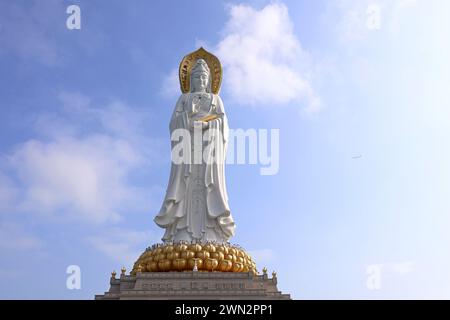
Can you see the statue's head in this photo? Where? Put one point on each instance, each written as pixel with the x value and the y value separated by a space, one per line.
pixel 200 77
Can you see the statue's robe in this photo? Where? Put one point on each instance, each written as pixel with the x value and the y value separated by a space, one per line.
pixel 195 188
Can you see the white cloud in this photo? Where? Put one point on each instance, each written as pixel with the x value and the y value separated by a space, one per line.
pixel 263 58
pixel 82 172
pixel 72 173
pixel 121 245
pixel 263 61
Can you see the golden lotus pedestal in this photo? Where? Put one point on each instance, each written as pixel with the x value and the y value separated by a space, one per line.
pixel 184 257
pixel 193 271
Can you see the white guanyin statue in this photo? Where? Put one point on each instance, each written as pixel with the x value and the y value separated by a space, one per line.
pixel 195 208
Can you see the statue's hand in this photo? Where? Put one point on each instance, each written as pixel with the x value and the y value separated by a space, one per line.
pixel 202 124
pixel 194 124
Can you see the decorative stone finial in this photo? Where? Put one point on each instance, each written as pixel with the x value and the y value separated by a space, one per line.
pixel 264 270
pixel 113 274
pixel 195 265
pixel 122 271
pixel 274 274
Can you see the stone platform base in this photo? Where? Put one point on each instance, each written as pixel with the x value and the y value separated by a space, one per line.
pixel 193 285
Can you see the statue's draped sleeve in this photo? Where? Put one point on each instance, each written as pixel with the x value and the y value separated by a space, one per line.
pixel 177 182
pixel 217 197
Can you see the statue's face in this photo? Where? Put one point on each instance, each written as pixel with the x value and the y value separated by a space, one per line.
pixel 200 81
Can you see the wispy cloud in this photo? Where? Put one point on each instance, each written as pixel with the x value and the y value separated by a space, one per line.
pixel 121 245
pixel 263 60
pixel 263 57
pixel 81 166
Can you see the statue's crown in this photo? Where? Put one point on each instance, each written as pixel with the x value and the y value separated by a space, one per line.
pixel 200 61
pixel 200 66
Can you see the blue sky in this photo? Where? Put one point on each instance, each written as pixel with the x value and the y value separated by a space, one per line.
pixel 358 90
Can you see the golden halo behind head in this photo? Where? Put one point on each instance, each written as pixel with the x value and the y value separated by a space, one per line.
pixel 189 61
